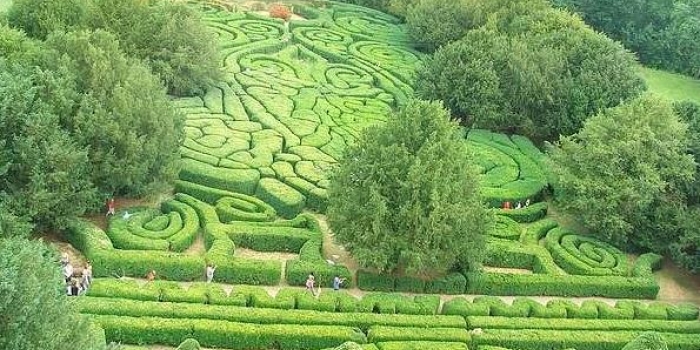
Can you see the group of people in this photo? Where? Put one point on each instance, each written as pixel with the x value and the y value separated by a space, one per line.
pixel 76 284
pixel 311 284
pixel 519 205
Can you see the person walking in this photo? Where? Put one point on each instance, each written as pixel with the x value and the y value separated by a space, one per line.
pixel 337 281
pixel 87 276
pixel 310 282
pixel 111 207
pixel 210 272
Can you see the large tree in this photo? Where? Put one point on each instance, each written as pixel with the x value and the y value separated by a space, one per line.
pixel 540 74
pixel 624 173
pixel 34 310
pixel 406 195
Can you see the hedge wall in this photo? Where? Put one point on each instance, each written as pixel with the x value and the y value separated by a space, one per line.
pixel 230 335
pixel 134 308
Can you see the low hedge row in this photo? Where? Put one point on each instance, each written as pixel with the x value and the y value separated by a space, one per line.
pixel 134 308
pixel 379 334
pixel 537 339
pixel 453 283
pixel 230 205
pixel 531 213
pixel 224 334
pixel 287 298
pixel 268 238
pixel 119 232
pixel 422 345
pixel 560 308
pixel 236 180
pixel 561 285
pixel 491 322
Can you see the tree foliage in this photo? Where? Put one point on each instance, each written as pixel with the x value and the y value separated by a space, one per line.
pixel 38 18
pixel 623 174
pixel 35 312
pixel 78 118
pixel 664 34
pixel 390 214
pixel 123 117
pixel 540 73
pixel 434 23
pixel 169 36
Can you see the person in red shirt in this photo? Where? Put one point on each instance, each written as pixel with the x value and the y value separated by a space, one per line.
pixel 506 205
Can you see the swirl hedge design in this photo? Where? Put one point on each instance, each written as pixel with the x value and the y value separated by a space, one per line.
pixel 582 255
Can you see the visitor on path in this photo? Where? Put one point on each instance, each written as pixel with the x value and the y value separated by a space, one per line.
pixel 87 276
pixel 67 271
pixel 527 203
pixel 74 288
pixel 210 272
pixel 506 205
pixel 518 206
pixel 337 281
pixel 111 207
pixel 151 275
pixel 310 282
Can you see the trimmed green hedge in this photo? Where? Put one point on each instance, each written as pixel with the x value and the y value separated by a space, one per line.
pixel 561 285
pixel 536 339
pixel 230 335
pixel 133 308
pixel 421 345
pixel 561 308
pixel 583 255
pixel 237 180
pixel 287 201
pixel 491 322
pixel 379 334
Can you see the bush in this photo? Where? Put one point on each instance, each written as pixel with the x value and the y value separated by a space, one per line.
pixel 453 283
pixel 569 285
pixel 532 213
pixel 433 23
pixel 367 280
pixel 379 334
pixel 579 255
pixel 421 345
pixel 520 323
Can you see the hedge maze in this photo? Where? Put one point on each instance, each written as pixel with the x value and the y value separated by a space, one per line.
pixel 257 150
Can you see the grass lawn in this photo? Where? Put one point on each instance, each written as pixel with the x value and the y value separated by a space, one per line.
pixel 673 86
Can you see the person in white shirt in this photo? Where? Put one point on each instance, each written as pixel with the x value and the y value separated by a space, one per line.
pixel 210 272
pixel 67 271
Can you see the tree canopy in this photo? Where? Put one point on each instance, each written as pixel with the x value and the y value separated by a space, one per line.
pixel 78 118
pixel 35 311
pixel 390 215
pixel 664 34
pixel 623 174
pixel 169 37
pixel 540 74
